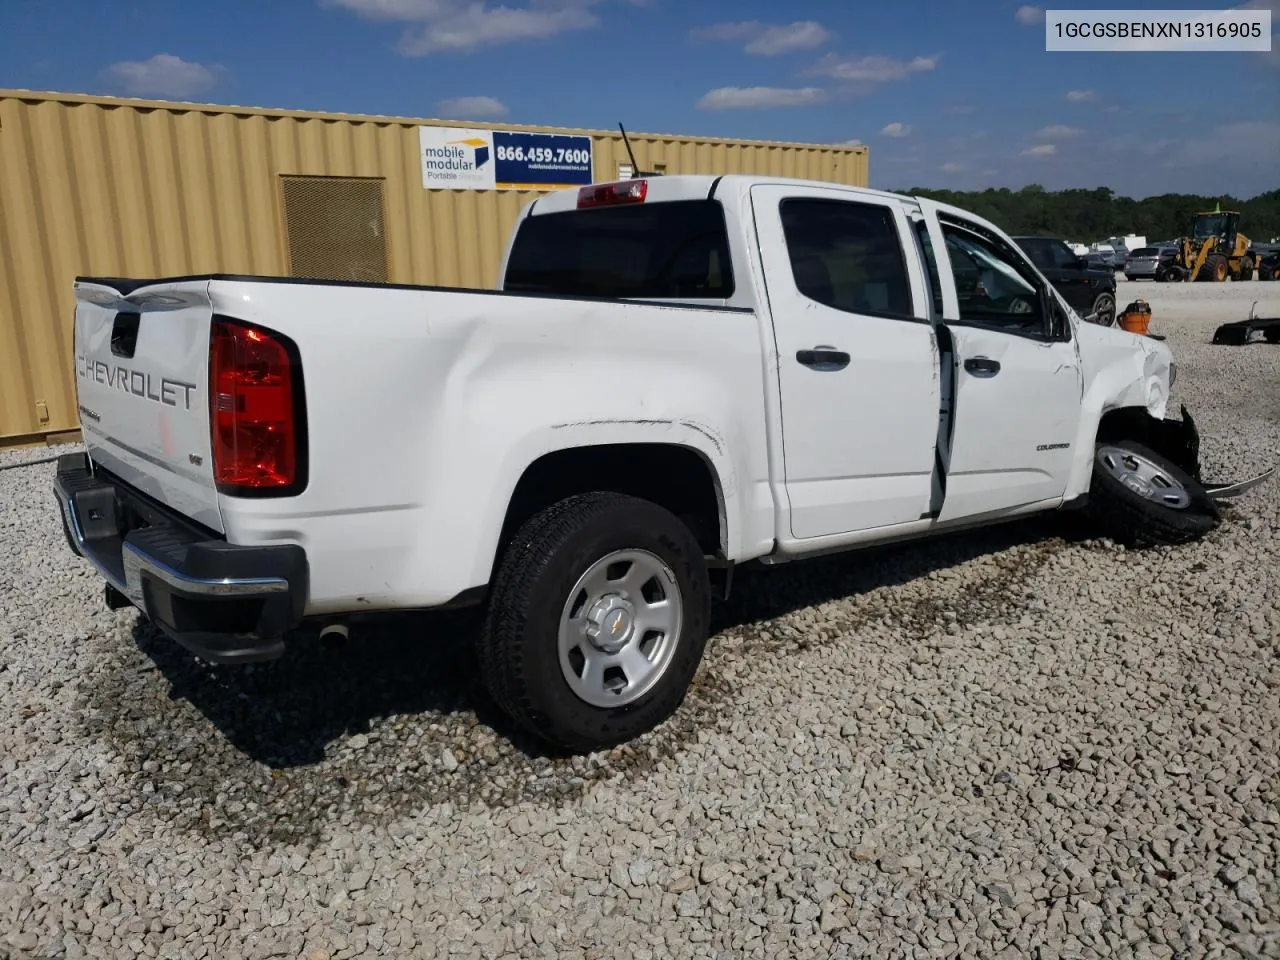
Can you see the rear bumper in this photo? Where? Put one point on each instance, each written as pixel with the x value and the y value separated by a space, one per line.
pixel 224 603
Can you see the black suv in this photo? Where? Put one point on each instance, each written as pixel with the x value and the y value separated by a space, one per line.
pixel 1090 289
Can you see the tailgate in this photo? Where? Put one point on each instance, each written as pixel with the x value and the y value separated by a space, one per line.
pixel 142 382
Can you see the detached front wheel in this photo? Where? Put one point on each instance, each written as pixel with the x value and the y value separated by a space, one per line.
pixel 597 622
pixel 1139 498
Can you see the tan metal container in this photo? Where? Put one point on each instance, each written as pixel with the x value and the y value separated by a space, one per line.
pixel 121 187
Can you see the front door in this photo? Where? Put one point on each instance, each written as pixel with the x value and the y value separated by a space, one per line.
pixel 1016 374
pixel 857 358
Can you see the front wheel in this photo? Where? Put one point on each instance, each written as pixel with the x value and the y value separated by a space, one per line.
pixel 1139 498
pixel 597 622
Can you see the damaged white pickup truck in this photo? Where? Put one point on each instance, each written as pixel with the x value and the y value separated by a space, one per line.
pixel 677 376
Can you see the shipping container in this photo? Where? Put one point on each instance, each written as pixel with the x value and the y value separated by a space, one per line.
pixel 123 187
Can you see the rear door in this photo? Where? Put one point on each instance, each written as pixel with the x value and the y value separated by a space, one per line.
pixel 142 383
pixel 857 358
pixel 1017 376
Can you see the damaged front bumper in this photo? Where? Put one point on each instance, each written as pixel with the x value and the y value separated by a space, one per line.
pixel 1179 440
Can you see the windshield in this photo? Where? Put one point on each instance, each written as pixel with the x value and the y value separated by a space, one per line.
pixel 1211 225
pixel 676 249
pixel 1046 253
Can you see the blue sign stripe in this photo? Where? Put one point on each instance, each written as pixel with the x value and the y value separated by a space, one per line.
pixel 541 159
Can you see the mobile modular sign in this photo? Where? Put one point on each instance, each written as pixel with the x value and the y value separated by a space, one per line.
pixel 467 158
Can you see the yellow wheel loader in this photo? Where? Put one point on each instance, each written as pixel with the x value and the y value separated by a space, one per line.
pixel 1215 250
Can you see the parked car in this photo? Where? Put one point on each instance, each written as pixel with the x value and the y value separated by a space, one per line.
pixel 678 376
pixel 1089 287
pixel 1269 266
pixel 1145 263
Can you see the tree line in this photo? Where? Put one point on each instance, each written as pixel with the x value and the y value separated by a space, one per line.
pixel 1085 216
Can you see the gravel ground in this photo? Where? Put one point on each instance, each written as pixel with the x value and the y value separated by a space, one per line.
pixel 1018 743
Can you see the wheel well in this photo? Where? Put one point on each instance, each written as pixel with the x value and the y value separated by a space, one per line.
pixel 671 476
pixel 1171 438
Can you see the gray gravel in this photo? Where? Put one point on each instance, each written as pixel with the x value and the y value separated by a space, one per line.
pixel 1019 743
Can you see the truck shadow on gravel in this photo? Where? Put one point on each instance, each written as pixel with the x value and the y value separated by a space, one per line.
pixel 396 719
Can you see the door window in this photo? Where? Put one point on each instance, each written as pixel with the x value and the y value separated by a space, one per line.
pixel 848 256
pixel 994 287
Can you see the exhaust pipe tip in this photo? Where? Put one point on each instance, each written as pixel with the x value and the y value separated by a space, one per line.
pixel 336 630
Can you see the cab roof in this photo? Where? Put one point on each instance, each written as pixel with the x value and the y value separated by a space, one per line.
pixel 669 187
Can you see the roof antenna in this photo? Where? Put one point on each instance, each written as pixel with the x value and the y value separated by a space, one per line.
pixel 635 167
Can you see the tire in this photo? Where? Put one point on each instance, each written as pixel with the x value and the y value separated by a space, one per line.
pixel 1105 308
pixel 1134 519
pixel 1246 269
pixel 527 667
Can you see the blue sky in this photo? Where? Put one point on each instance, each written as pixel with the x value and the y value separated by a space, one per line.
pixel 945 93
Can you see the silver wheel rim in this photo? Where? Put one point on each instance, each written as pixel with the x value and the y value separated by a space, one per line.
pixel 1145 478
pixel 620 627
pixel 1106 311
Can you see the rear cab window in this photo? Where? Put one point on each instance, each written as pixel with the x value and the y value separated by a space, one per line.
pixel 676 249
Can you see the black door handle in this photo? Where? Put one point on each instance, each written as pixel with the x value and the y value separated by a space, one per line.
pixel 823 358
pixel 982 366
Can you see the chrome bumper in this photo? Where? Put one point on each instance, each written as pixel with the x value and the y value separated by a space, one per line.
pixel 136 564
pixel 226 603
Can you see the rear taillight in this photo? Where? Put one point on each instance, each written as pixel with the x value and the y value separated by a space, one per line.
pixel 256 409
pixel 607 194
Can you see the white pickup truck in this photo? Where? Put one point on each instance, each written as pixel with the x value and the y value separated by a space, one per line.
pixel 677 376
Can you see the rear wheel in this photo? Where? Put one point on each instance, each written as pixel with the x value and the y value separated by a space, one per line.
pixel 1104 310
pixel 1139 498
pixel 1246 268
pixel 597 622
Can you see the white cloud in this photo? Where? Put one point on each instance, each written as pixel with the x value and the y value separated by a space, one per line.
pixel 1029 15
pixel 874 68
pixel 164 75
pixel 1242 143
pixel 478 26
pixel 1057 131
pixel 1081 96
pixel 769 40
pixel 740 98
pixel 471 107
pixel 396 9
pixel 465 25
pixel 895 130
pixel 1040 150
pixel 849 143
pixel 951 167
